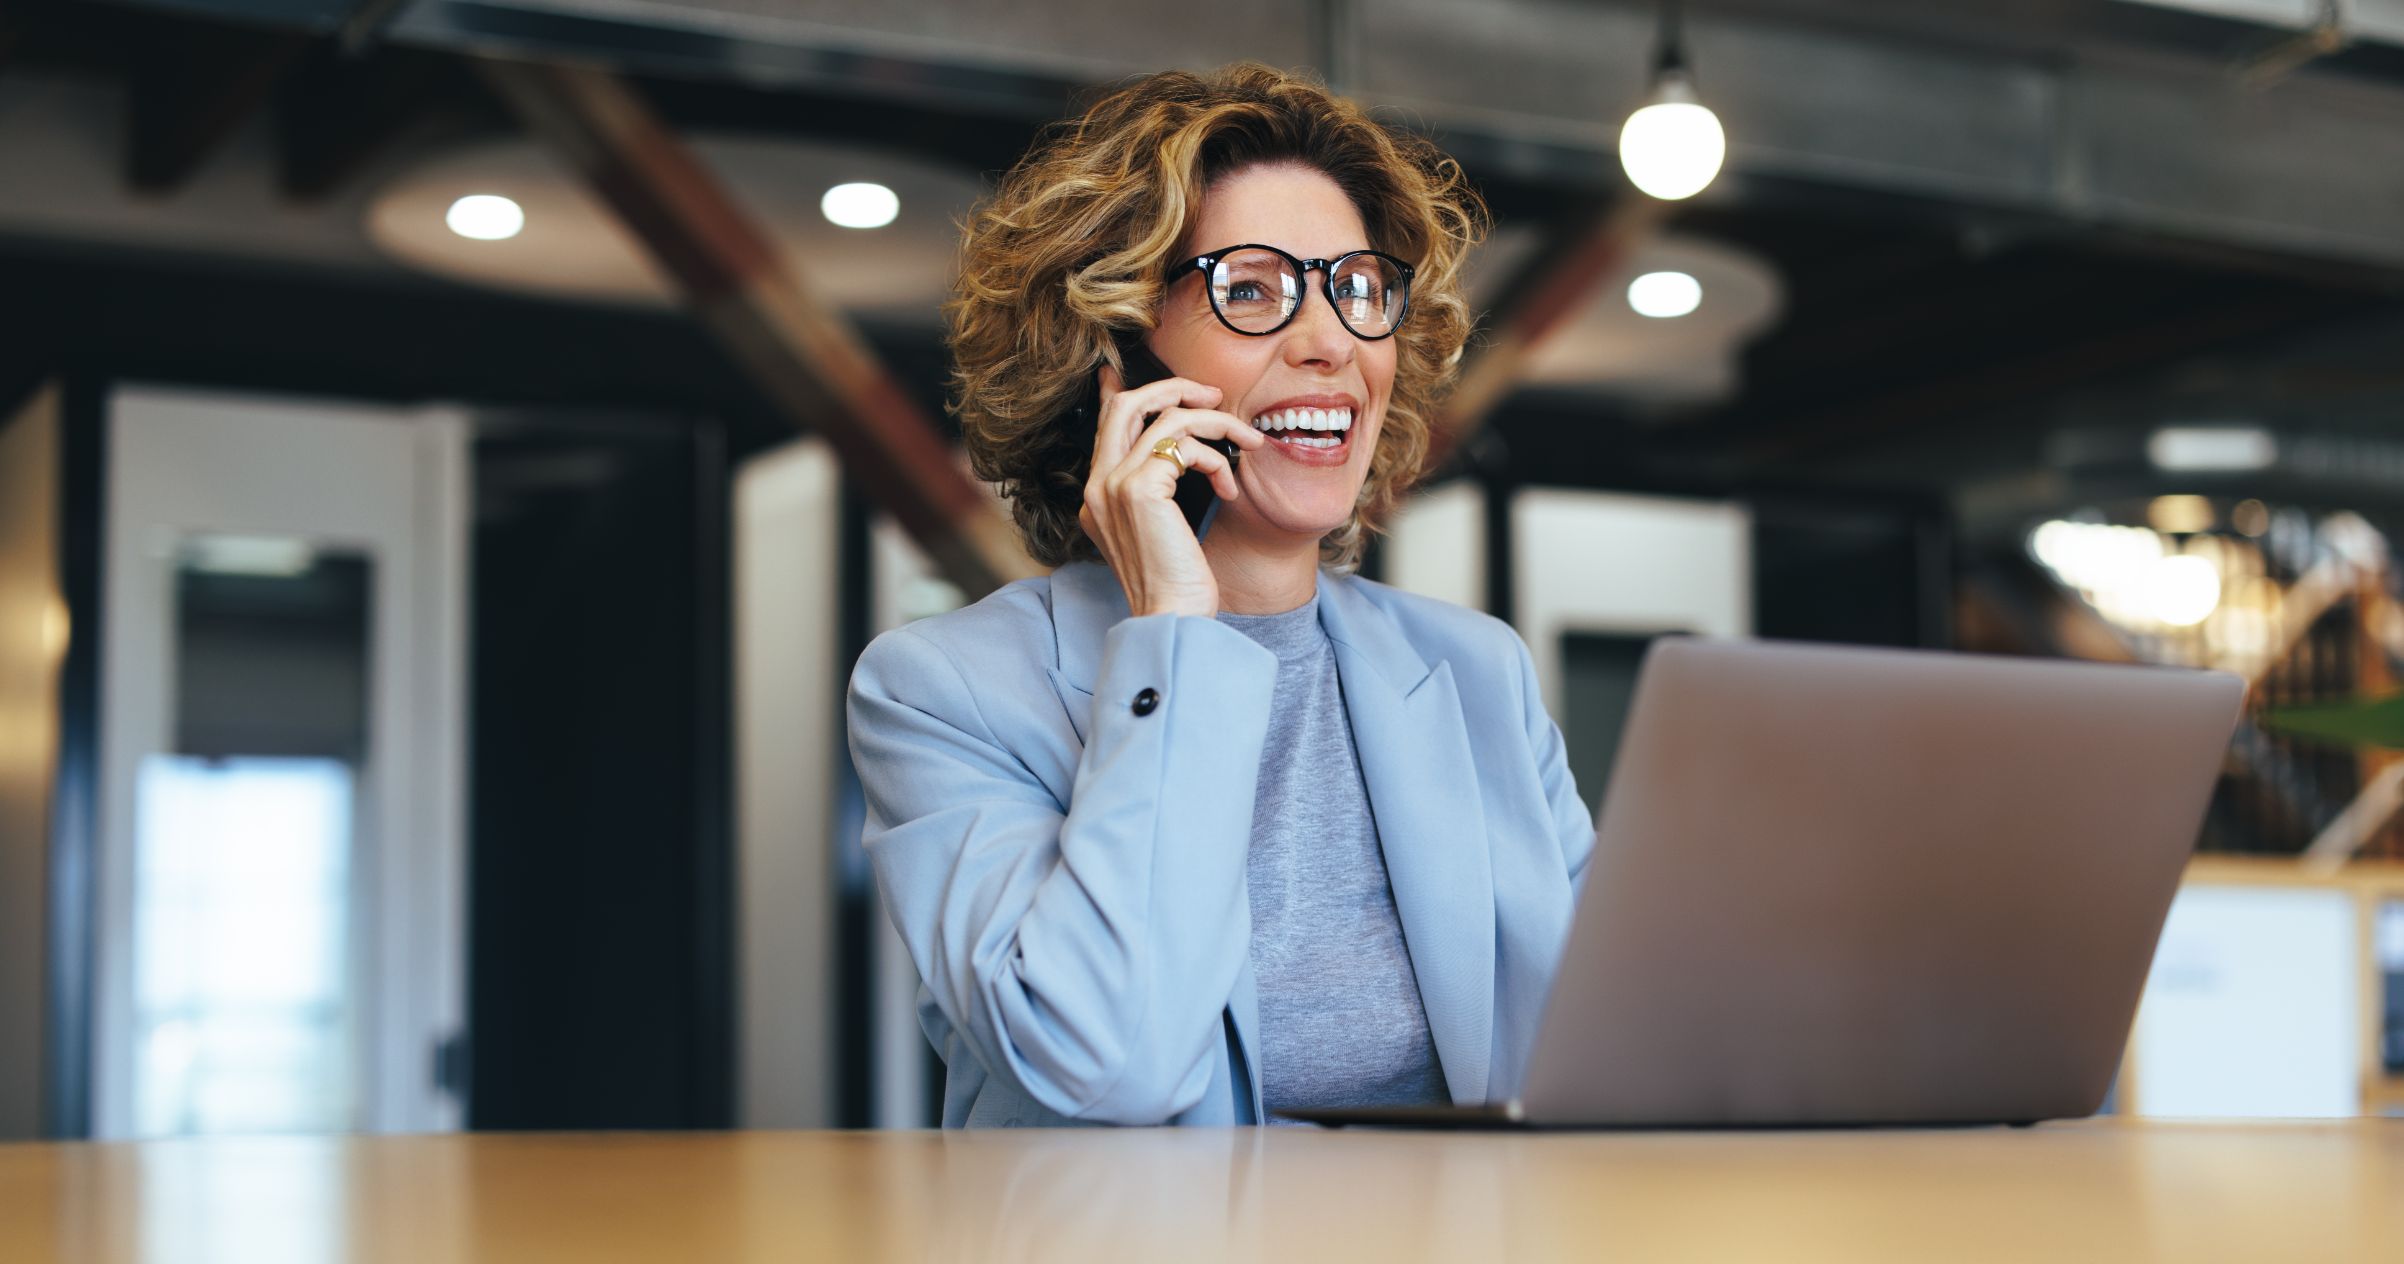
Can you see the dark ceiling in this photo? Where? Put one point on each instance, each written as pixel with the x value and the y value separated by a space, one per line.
pixel 1925 346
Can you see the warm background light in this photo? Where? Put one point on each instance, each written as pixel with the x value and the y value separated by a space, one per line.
pixel 2182 591
pixel 2180 515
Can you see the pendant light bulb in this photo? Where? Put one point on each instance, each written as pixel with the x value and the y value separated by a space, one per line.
pixel 1673 146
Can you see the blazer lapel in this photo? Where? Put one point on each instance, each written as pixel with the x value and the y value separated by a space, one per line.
pixel 1415 757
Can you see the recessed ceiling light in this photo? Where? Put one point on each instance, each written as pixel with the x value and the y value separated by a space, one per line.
pixel 1663 295
pixel 485 217
pixel 860 205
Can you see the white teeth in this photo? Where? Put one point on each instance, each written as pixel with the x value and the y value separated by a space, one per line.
pixel 1336 419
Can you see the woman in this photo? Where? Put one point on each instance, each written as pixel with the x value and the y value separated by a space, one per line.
pixel 1192 831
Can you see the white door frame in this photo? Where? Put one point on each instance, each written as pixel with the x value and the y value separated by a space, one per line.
pixel 389 481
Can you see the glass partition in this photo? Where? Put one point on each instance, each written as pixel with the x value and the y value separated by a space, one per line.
pixel 247 847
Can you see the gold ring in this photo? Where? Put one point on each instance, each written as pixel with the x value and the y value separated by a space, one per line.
pixel 1166 450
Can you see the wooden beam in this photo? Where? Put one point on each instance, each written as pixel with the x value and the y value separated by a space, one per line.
pixel 803 355
pixel 193 84
pixel 1586 249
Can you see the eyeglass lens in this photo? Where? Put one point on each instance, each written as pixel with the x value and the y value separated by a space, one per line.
pixel 1257 290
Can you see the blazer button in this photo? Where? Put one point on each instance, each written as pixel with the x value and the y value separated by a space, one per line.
pixel 1145 701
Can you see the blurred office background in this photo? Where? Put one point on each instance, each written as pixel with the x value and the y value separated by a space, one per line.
pixel 451 452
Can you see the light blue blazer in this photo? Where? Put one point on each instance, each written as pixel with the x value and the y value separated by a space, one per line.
pixel 1059 802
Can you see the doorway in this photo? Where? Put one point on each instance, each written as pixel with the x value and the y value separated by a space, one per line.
pixel 278 912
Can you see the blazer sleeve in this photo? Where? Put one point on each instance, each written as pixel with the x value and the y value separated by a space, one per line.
pixel 1086 954
pixel 1573 825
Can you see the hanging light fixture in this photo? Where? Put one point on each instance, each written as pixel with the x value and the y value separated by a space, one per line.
pixel 1672 147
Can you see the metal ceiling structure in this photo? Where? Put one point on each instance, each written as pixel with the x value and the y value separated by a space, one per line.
pixel 2118 114
pixel 1987 217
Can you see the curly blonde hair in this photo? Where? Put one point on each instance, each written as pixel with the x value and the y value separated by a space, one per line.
pixel 1071 250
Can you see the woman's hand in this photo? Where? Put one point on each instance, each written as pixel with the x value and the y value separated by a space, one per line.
pixel 1130 510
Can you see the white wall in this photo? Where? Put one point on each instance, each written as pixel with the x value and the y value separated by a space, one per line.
pixel 1589 561
pixel 1604 562
pixel 1436 545
pixel 788 740
pixel 787 715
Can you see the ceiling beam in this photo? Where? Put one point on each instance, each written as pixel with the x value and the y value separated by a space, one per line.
pixel 801 353
pixel 192 85
pixel 1582 251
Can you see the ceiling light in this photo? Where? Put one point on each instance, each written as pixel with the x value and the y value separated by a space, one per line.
pixel 2212 448
pixel 1663 295
pixel 1673 146
pixel 485 217
pixel 860 205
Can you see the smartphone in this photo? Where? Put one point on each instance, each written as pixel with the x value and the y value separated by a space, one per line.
pixel 1196 498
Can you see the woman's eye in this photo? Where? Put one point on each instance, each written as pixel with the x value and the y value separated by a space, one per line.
pixel 1245 292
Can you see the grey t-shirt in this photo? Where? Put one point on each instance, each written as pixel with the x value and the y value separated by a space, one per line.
pixel 1341 1022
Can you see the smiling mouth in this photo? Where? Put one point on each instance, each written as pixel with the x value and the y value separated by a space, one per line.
pixel 1307 429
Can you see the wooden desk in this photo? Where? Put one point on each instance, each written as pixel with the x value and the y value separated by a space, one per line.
pixel 2099 1190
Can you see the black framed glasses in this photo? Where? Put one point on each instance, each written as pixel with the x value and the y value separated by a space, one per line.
pixel 1257 289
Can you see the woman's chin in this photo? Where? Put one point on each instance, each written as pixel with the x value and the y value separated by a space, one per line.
pixel 1292 524
pixel 1277 506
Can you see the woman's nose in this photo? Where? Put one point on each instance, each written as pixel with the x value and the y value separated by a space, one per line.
pixel 1316 337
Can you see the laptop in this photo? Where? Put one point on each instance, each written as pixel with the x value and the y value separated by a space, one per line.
pixel 1842 886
